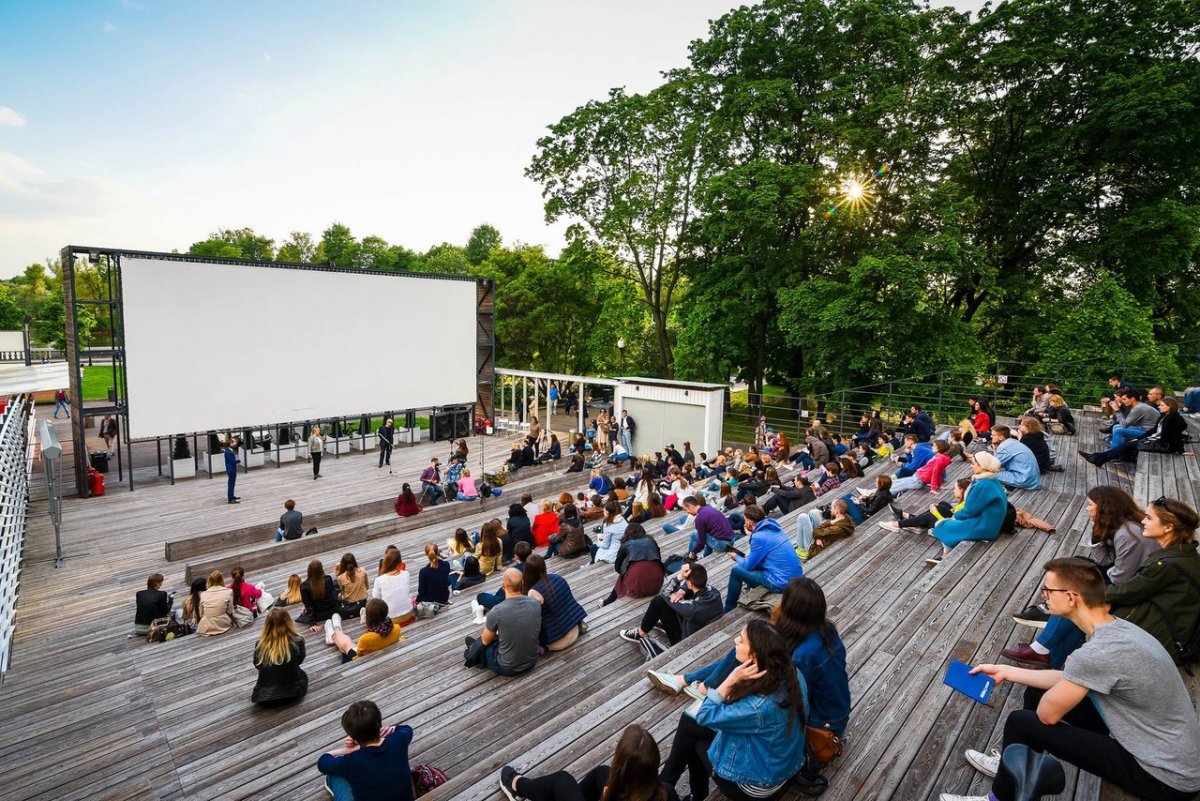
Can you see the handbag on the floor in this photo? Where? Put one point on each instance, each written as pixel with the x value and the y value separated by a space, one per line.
pixel 242 616
pixel 166 628
pixel 824 743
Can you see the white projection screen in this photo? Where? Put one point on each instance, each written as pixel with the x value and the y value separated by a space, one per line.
pixel 214 346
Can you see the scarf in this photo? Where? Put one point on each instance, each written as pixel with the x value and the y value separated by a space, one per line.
pixel 384 629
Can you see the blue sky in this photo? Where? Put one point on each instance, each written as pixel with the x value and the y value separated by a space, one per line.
pixel 148 124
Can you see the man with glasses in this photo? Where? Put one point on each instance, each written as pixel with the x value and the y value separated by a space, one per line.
pixel 1118 709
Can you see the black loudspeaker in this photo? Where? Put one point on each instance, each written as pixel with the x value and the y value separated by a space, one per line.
pixel 450 423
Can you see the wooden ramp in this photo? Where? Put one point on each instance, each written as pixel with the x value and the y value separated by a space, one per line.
pixel 90 713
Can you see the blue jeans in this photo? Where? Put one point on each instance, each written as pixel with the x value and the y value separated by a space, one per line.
pixel 907 483
pixel 1191 399
pixel 279 535
pixel 737 522
pixel 492 656
pixel 751 578
pixel 1062 637
pixel 61 405
pixel 1120 435
pixel 487 600
pixel 339 788
pixel 462 497
pixel 671 528
pixel 232 481
pixel 803 459
pixel 435 492
pixel 627 442
pixel 710 544
pixel 712 675
pixel 806 524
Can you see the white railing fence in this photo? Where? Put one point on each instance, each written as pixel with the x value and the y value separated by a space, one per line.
pixel 16 464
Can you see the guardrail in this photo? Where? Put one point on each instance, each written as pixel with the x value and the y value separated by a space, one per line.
pixel 16 463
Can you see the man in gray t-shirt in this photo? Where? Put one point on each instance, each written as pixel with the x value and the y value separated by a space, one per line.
pixel 1118 709
pixel 512 629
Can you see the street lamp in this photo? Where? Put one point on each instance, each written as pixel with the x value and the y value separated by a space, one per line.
pixel 621 350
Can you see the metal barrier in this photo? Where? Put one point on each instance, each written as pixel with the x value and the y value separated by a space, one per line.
pixel 16 463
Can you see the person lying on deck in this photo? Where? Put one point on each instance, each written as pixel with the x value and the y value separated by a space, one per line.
pixel 1118 710
pixel 633 775
pixel 372 763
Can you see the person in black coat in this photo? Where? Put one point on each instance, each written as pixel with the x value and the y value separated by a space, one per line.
pixel 1034 438
pixel 319 606
pixel 1167 437
pixel 277 657
pixel 528 457
pixel 518 529
pixel 553 452
pixel 152 603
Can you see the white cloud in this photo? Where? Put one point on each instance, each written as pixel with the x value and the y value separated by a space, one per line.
pixel 266 56
pixel 10 117
pixel 108 27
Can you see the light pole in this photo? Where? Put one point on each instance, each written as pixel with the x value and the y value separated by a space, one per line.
pixel 621 350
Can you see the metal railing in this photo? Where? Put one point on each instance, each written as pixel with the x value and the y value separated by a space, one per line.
pixel 944 395
pixel 16 463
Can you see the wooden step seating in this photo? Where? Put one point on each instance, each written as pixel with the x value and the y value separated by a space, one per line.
pixel 376 519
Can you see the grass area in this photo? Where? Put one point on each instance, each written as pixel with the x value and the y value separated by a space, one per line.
pixel 97 380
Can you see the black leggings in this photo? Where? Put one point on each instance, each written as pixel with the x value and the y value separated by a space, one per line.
pixel 1082 739
pixel 928 519
pixel 660 612
pixel 562 786
pixel 689 751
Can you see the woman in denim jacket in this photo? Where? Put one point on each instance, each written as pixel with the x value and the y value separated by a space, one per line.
pixel 749 732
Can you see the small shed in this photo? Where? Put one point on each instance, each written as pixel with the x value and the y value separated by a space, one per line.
pixel 672 412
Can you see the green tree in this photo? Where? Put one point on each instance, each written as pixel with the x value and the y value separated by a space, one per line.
pixel 50 326
pixel 337 247
pixel 298 247
pixel 482 240
pixel 625 169
pixel 240 243
pixel 374 253
pixel 12 316
pixel 1103 328
pixel 446 259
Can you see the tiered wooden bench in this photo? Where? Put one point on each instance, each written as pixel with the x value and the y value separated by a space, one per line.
pixel 90 713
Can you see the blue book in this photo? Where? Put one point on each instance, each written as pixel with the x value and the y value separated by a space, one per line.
pixel 977 687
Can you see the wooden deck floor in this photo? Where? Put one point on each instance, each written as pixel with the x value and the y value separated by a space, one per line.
pixel 90 713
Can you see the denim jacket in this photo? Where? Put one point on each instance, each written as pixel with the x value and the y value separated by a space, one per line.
pixel 754 742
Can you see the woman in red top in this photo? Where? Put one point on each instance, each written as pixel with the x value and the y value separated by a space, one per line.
pixel 981 421
pixel 244 593
pixel 545 524
pixel 406 504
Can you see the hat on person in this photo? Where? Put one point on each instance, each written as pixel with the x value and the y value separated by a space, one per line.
pixel 988 462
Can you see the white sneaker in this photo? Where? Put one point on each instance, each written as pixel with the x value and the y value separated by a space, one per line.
pixel 865 491
pixel 987 764
pixel 480 612
pixel 953 797
pixel 665 681
pixel 329 632
pixel 337 621
pixel 362 615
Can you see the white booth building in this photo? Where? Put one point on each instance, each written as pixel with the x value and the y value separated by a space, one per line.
pixel 672 412
pixel 664 411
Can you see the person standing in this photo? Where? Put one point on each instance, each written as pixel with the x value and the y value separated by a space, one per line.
pixel 316 446
pixel 626 429
pixel 60 402
pixel 387 438
pixel 112 432
pixel 231 463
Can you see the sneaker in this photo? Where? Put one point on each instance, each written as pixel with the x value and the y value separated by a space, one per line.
pixel 1035 616
pixel 583 627
pixel 630 635
pixel 897 511
pixel 864 491
pixel 693 690
pixel 362 615
pixel 802 554
pixel 953 797
pixel 933 561
pixel 329 632
pixel 987 764
pixel 337 621
pixel 458 592
pixel 665 681
pixel 508 783
pixel 479 611
pixel 890 526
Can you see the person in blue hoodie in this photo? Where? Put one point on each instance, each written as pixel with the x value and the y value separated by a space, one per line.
pixel 1018 466
pixel 772 561
pixel 922 424
pixel 918 453
pixel 748 734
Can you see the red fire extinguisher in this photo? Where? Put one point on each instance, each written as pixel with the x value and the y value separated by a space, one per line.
pixel 95 481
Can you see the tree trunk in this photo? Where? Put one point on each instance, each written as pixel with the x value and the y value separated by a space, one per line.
pixel 664 342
